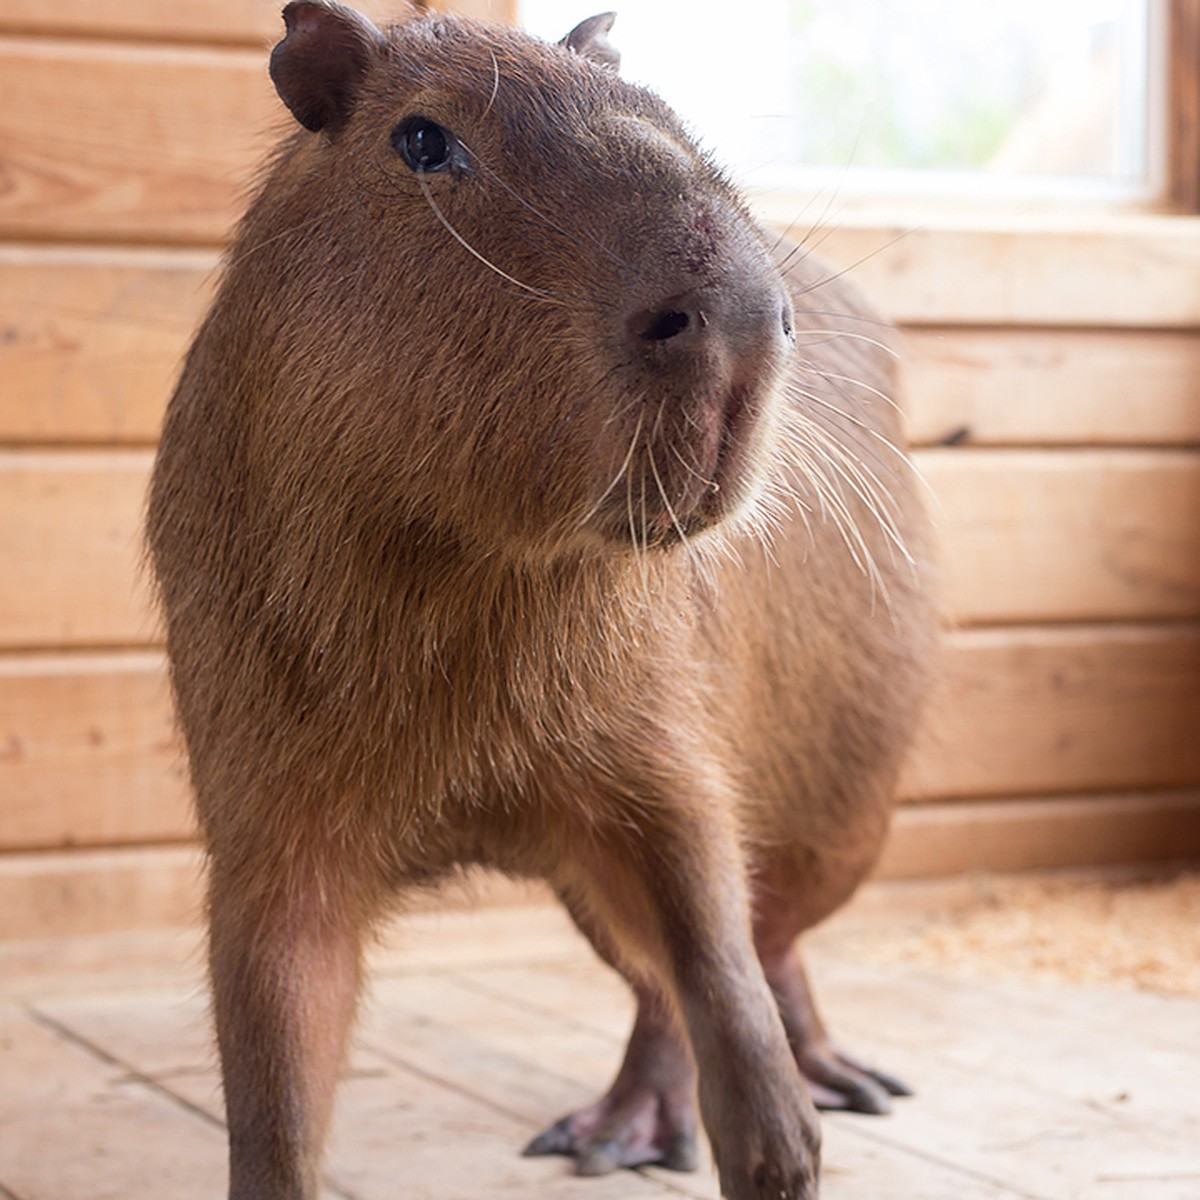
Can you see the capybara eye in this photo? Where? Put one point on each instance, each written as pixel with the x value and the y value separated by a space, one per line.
pixel 423 144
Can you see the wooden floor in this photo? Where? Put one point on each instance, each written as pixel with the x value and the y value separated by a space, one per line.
pixel 482 1028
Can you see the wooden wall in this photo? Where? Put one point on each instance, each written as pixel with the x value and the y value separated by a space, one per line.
pixel 1053 381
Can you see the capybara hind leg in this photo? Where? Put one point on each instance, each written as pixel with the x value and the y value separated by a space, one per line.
pixel 649 1113
pixel 285 978
pixel 836 1079
pixel 673 899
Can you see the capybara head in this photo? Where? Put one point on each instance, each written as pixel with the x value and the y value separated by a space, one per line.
pixel 499 294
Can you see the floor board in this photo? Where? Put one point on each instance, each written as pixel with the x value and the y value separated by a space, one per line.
pixel 480 1028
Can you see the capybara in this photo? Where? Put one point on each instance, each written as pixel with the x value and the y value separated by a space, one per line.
pixel 524 504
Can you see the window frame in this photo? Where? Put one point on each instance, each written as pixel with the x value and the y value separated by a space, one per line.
pixel 1182 117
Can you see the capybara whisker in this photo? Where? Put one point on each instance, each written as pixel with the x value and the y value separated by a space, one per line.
pixel 622 472
pixel 569 234
pixel 858 262
pixel 495 84
pixel 817 337
pixel 540 293
pixel 858 383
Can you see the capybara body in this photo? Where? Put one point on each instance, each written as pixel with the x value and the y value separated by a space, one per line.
pixel 523 504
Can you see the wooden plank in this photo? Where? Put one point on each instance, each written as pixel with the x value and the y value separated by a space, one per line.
pixel 1183 106
pixel 234 22
pixel 1038 1144
pixel 943 267
pixel 108 891
pixel 1037 834
pixel 110 141
pixel 391 1122
pixel 411 1108
pixel 91 339
pixel 88 753
pixel 441 1142
pixel 99 891
pixel 78 1128
pixel 72 555
pixel 143 959
pixel 1009 1113
pixel 1015 712
pixel 85 892
pixel 1047 387
pixel 1094 535
pixel 547 1058
pixel 1027 536
pixel 248 22
pixel 502 12
pixel 1036 711
pixel 165 1035
pixel 1134 1082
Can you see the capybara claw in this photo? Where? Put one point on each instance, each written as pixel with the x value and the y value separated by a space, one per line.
pixel 599 1158
pixel 555 1140
pixel 839 1083
pixel 682 1154
pixel 890 1083
pixel 601 1150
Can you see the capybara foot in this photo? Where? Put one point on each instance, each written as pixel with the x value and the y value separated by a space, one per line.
pixel 836 1080
pixel 784 1172
pixel 641 1127
pixel 839 1082
pixel 772 1181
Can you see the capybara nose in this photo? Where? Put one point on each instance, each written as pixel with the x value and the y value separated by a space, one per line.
pixel 684 323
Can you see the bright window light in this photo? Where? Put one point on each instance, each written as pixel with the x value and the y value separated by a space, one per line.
pixel 1024 97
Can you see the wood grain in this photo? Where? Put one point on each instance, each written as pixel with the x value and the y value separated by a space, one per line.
pixel 220 22
pixel 99 890
pixel 1043 833
pixel 130 143
pixel 233 22
pixel 1044 347
pixel 87 754
pixel 1088 535
pixel 944 268
pixel 1050 387
pixel 1027 536
pixel 1061 709
pixel 107 140
pixel 91 340
pixel 72 560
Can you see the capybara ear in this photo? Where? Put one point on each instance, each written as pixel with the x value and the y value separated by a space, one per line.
pixel 319 65
pixel 588 41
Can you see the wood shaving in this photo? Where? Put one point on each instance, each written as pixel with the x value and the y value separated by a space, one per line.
pixel 1126 934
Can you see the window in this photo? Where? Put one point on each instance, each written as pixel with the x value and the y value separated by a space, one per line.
pixel 1027 99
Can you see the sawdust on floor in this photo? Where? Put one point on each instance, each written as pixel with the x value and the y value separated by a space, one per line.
pixel 1117 933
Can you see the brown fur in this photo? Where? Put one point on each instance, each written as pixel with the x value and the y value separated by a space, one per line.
pixel 444 582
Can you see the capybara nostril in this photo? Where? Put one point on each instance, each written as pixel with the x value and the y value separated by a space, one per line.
pixel 663 326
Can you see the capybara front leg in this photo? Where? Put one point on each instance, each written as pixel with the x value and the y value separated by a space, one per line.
pixel 675 901
pixel 285 978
